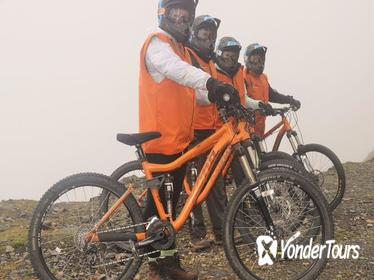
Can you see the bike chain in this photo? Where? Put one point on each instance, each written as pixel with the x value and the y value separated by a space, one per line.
pixel 121 228
pixel 126 259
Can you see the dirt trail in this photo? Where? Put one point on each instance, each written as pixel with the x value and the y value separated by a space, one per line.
pixel 354 224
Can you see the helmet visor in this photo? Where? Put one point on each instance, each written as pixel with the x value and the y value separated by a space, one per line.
pixel 257 58
pixel 179 15
pixel 228 59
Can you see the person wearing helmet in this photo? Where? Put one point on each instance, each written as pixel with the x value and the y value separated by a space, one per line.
pixel 167 87
pixel 227 63
pixel 258 87
pixel 229 70
pixel 201 49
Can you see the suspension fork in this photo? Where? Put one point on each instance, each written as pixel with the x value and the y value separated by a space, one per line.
pixel 240 152
pixel 294 140
pixel 296 144
pixel 252 178
pixel 257 195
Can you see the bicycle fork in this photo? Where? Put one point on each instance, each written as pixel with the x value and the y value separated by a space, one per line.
pixel 250 176
pixel 295 142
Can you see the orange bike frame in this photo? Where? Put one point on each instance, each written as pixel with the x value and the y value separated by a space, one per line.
pixel 285 126
pixel 220 145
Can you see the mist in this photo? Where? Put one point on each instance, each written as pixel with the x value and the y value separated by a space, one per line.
pixel 69 78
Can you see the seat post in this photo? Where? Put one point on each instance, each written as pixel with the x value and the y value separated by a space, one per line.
pixel 140 153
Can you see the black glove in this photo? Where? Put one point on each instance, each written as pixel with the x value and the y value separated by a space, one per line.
pixel 266 107
pixel 296 104
pixel 222 93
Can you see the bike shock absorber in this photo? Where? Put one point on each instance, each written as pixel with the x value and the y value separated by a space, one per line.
pixel 296 136
pixel 169 194
pixel 258 142
pixel 294 141
pixel 193 171
pixel 243 160
pixel 252 152
pixel 261 145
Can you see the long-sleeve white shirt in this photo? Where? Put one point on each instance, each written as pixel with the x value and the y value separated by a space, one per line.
pixel 162 62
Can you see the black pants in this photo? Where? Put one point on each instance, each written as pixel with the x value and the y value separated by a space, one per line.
pixel 237 172
pixel 216 200
pixel 178 176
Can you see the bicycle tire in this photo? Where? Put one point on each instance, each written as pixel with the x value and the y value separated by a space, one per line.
pixel 341 184
pixel 121 171
pixel 53 194
pixel 282 165
pixel 234 203
pixel 277 155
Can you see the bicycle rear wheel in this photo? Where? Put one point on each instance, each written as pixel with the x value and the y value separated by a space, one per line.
pixel 327 171
pixel 67 211
pixel 291 217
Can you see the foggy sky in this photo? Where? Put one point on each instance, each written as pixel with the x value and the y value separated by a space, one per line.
pixel 69 73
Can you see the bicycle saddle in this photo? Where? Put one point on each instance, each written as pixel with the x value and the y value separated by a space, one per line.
pixel 137 138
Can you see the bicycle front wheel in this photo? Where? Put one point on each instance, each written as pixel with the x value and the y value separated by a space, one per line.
pixel 298 211
pixel 70 209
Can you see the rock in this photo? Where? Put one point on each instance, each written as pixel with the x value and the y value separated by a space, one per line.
pixel 9 249
pixel 23 215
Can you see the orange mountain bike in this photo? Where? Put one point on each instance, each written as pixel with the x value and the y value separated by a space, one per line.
pixel 325 168
pixel 73 236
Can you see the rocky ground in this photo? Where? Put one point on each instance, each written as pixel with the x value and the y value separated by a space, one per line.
pixel 354 224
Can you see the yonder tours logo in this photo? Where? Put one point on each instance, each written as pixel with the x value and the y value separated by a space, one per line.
pixel 268 250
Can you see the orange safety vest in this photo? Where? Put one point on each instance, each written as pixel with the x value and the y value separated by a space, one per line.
pixel 258 89
pixel 206 116
pixel 237 82
pixel 167 107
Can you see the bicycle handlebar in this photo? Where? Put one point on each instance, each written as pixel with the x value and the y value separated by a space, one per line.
pixel 279 111
pixel 240 112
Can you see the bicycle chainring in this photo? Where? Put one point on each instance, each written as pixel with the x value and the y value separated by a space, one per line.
pixel 162 228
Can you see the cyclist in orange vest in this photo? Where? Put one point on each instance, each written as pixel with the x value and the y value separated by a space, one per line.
pixel 258 87
pixel 201 49
pixel 229 70
pixel 167 88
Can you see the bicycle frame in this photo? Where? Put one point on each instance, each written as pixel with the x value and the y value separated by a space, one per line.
pixel 293 138
pixel 225 169
pixel 285 128
pixel 220 144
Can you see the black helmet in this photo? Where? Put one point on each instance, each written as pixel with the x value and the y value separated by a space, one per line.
pixel 204 47
pixel 258 66
pixel 230 65
pixel 180 30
